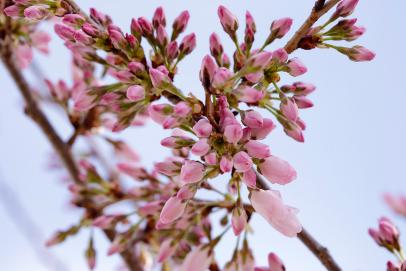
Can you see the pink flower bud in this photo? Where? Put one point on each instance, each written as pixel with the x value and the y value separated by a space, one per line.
pixel 197 260
pixel 146 26
pixel 104 221
pixel 257 149
pixel 172 50
pixel 201 147
pixel 203 128
pixel 250 23
pixel 64 32
pixel 83 38
pixel 182 109
pixel 186 192
pixel 303 102
pixel 226 164
pixel 398 204
pixel 216 48
pixel 233 133
pixel 73 20
pixel 293 130
pixel 211 159
pixel 207 70
pixel 358 53
pixel 14 11
pixel 242 161
pixel 269 204
pixel 275 263
pixel 300 88
pixel 261 133
pixel 238 220
pixel 253 119
pixel 259 61
pixel 296 67
pixel 170 167
pixel 91 30
pixel 162 36
pixel 280 27
pixel 188 44
pixel 135 172
pixel 388 230
pixel 172 210
pixel 227 20
pixel 36 12
pixel 177 142
pixel 24 55
pixel 158 78
pixel 280 56
pixel 166 250
pixel 277 170
pixel 289 109
pixel 180 23
pixel 249 177
pixel 135 93
pixel 249 95
pixel 345 8
pixel 159 112
pixel 191 172
pixel 221 77
pixel 159 18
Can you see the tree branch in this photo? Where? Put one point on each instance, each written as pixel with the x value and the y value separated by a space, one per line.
pixel 63 150
pixel 317 11
pixel 307 239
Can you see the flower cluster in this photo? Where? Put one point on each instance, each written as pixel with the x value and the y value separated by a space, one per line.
pixel 222 135
pixel 387 235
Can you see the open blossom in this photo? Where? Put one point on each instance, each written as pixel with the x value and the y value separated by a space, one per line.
pixel 269 204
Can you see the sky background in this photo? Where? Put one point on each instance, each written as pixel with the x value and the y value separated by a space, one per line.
pixel 354 150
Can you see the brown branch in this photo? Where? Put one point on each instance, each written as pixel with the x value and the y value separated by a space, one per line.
pixel 308 240
pixel 63 150
pixel 314 16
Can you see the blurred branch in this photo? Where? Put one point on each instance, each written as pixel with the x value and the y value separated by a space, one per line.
pixel 308 240
pixel 26 225
pixel 38 116
pixel 319 9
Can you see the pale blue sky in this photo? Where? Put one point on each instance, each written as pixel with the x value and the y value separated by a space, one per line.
pixel 354 148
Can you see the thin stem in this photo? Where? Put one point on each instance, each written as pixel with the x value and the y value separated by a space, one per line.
pixel 315 15
pixel 308 240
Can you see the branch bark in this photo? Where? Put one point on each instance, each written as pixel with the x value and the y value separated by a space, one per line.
pixel 308 240
pixel 318 10
pixel 63 149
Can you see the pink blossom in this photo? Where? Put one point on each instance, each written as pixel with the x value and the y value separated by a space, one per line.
pixel 226 164
pixel 166 250
pixel 40 40
pixel 203 128
pixel 82 101
pixel 233 133
pixel 159 112
pixel 170 167
pixel 249 177
pixel 188 44
pixel 249 95
pixel 182 109
pixel 397 203
pixel 345 8
pixel 261 133
pixel 180 23
pixel 158 78
pixel 259 60
pixel 65 32
pixel 150 208
pixel 211 159
pixel 257 149
pixel 201 147
pixel 238 220
pixel 135 172
pixel 146 26
pixel 277 170
pixel 23 54
pixel 280 56
pixel 36 12
pixel 227 20
pixel 275 263
pixel 197 260
pixel 216 48
pixel 162 36
pixel 280 27
pixel 159 18
pixel 269 204
pixel 135 93
pixel 293 130
pixel 242 161
pixel 359 54
pixel 13 11
pixel 253 119
pixel 289 109
pixel 302 101
pixel 172 210
pixel 207 70
pixel 221 77
pixel 172 50
pixel 192 172
pixel 296 67
pixel 105 221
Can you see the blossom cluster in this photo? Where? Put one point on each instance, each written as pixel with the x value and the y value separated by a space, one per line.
pixel 223 135
pixel 387 235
